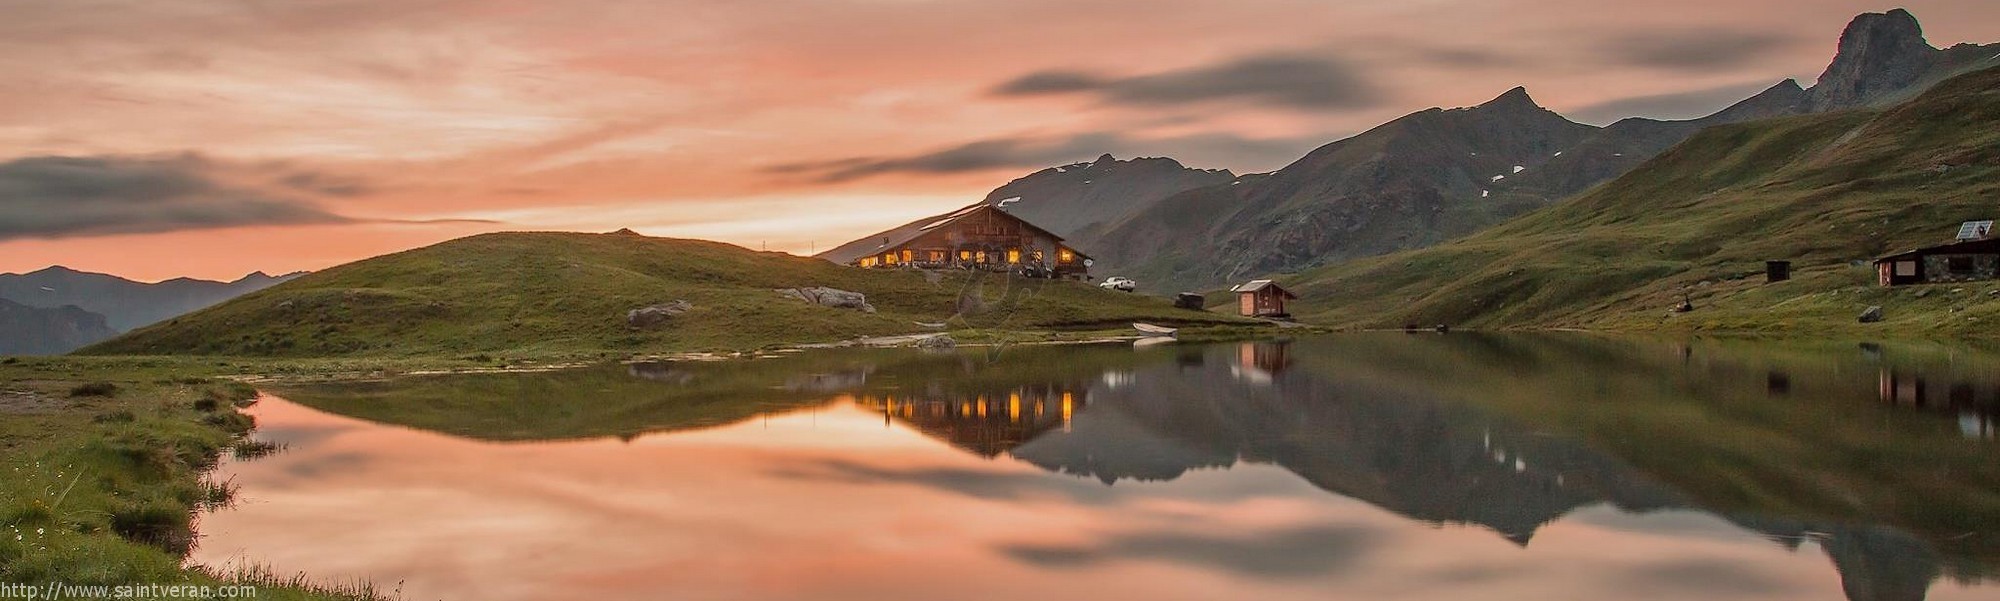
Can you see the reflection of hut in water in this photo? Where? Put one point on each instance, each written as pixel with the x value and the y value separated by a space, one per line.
pixel 659 371
pixel 984 423
pixel 1975 404
pixel 839 381
pixel 1261 362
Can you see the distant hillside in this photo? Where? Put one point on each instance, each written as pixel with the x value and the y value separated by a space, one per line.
pixel 1828 192
pixel 1080 200
pixel 1433 175
pixel 26 330
pixel 1415 181
pixel 125 304
pixel 556 293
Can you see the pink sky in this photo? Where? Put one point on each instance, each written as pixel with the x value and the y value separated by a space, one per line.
pixel 209 139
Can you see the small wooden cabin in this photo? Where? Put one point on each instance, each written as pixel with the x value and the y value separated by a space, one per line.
pixel 1262 298
pixel 980 236
pixel 1966 261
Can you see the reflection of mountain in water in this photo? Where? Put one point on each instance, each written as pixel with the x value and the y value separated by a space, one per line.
pixel 1421 457
pixel 1862 453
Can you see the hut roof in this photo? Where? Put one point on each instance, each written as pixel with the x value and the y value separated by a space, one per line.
pixel 903 234
pixel 1983 246
pixel 1255 285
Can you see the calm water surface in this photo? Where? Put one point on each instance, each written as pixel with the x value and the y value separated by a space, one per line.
pixel 1348 467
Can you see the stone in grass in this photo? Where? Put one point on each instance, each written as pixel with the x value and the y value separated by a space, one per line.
pixel 646 317
pixel 830 297
pixel 1871 315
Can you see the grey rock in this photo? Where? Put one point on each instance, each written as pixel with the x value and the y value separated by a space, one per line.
pixel 1923 293
pixel 1190 300
pixel 830 297
pixel 1871 315
pixel 940 341
pixel 647 317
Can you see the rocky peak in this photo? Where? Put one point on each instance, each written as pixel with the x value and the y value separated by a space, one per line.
pixel 1786 98
pixel 1880 53
pixel 1514 100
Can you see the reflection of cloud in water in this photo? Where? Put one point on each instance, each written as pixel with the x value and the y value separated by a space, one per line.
pixel 296 436
pixel 1708 577
pixel 983 484
pixel 321 466
pixel 1302 552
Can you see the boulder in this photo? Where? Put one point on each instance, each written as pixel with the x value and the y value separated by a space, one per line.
pixel 1871 314
pixel 830 297
pixel 1190 300
pixel 647 317
pixel 940 341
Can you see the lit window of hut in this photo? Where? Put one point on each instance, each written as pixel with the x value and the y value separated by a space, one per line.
pixel 1013 255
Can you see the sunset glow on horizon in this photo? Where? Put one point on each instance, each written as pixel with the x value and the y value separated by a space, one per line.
pixel 154 140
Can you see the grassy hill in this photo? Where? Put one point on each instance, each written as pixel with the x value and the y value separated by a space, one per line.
pixel 568 293
pixel 1828 192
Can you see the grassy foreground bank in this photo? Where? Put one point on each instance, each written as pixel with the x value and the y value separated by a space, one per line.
pixel 105 467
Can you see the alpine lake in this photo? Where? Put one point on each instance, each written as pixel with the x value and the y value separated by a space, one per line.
pixel 1353 466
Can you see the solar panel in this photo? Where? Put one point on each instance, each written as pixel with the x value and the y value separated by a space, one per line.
pixel 1974 230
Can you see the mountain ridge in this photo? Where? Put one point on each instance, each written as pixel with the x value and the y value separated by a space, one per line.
pixel 1400 185
pixel 26 330
pixel 127 304
pixel 1826 191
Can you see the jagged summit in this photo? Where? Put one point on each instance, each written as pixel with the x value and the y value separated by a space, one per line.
pixel 1516 98
pixel 1879 54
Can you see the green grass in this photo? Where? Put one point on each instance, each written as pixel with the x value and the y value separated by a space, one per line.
pixel 1822 191
pixel 103 471
pixel 565 294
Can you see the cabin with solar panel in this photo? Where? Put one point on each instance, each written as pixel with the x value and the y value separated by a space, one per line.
pixel 978 237
pixel 1974 256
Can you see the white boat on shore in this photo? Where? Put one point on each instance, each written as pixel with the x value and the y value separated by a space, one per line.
pixel 1153 330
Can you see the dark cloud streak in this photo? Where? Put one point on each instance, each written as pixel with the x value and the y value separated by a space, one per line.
pixel 80 196
pixel 1300 81
pixel 1695 50
pixel 1029 152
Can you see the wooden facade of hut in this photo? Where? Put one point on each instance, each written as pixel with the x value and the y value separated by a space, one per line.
pixel 1968 261
pixel 1262 298
pixel 980 236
